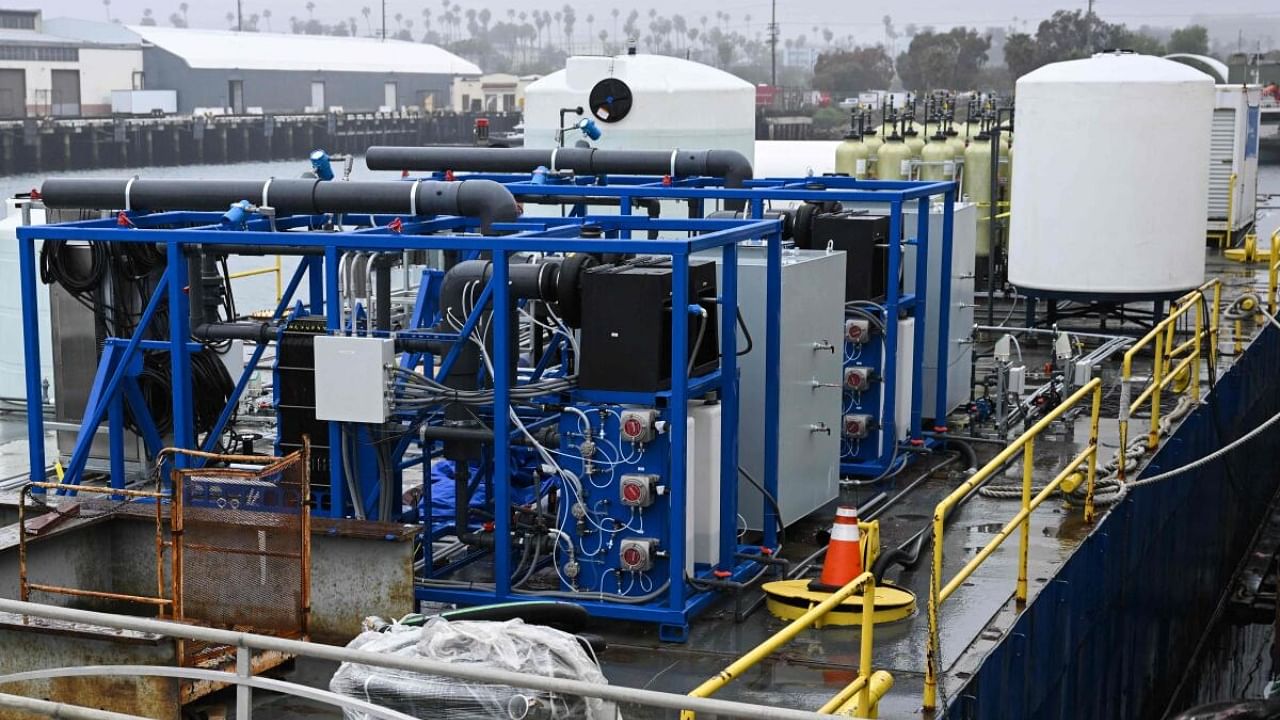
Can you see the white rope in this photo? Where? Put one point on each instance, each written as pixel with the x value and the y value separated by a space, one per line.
pixel 1229 447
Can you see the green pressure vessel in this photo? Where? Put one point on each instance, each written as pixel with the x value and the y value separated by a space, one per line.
pixel 893 160
pixel 873 142
pixel 851 156
pixel 913 141
pixel 977 186
pixel 938 158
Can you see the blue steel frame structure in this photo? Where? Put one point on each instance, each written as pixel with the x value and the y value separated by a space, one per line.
pixel 176 230
pixel 757 194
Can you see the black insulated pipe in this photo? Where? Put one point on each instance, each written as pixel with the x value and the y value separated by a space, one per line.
pixel 485 200
pixel 728 164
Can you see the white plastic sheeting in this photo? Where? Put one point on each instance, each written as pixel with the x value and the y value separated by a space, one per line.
pixel 510 645
pixel 1111 180
pixel 218 49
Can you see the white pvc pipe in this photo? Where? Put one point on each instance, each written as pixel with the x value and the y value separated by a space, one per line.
pixel 493 676
pixel 60 710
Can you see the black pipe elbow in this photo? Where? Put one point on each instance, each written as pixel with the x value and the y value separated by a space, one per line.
pixel 488 201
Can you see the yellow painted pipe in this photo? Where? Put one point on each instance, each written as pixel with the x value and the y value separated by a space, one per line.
pixel 866 582
pixel 881 683
pixel 938 594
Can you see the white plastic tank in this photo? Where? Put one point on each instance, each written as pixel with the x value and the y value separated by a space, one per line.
pixel 644 102
pixel 1112 177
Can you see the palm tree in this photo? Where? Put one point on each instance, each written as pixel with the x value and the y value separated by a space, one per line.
pixel 147 18
pixel 266 15
pixel 615 12
pixel 366 11
pixel 107 4
pixel 591 19
pixel 311 10
pixel 604 38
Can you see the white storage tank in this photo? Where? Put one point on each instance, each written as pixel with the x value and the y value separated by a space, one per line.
pixel 644 102
pixel 1112 178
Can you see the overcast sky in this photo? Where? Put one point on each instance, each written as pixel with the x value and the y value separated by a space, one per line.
pixel 861 18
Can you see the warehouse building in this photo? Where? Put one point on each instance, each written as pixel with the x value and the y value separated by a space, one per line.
pixel 278 73
pixel 44 72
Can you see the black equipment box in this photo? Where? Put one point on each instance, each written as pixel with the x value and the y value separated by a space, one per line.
pixel 626 324
pixel 864 238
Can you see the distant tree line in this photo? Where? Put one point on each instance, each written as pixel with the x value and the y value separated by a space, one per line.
pixel 538 40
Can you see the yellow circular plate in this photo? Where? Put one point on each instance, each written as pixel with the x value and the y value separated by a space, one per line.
pixel 789 599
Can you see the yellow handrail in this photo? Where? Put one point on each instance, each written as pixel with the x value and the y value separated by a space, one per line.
pixel 861 687
pixel 938 593
pixel 277 269
pixel 1274 272
pixel 1186 355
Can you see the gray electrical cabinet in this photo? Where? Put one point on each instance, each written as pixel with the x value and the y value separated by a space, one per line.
pixel 810 390
pixel 959 306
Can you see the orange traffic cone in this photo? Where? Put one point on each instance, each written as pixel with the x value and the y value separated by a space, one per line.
pixel 844 551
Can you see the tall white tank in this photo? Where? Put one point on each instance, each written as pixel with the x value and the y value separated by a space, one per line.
pixel 644 102
pixel 1112 177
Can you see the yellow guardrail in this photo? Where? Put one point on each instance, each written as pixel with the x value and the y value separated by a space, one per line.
pixel 1273 271
pixel 861 695
pixel 1164 371
pixel 277 269
pixel 1025 444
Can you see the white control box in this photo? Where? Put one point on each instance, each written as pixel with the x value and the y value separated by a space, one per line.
pixel 351 378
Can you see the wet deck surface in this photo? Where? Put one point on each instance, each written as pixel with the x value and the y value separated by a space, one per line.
pixel 820 662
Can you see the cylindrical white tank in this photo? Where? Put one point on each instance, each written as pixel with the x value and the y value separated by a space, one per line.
pixel 1112 177
pixel 644 102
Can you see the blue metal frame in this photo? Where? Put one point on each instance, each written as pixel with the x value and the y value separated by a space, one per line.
pixel 176 230
pixel 838 188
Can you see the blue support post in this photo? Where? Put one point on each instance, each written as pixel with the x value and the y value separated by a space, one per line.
pixel 502 380
pixel 179 355
pixel 111 372
pixel 211 441
pixel 678 414
pixel 728 405
pixel 31 359
pixel 920 312
pixel 333 320
pixel 944 310
pixel 889 383
pixel 115 438
pixel 315 282
pixel 772 381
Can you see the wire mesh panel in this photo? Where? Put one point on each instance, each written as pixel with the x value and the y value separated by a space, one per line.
pixel 243 544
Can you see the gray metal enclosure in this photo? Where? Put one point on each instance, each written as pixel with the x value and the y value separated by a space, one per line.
pixel 282 91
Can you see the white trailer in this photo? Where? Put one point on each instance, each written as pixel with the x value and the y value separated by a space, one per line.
pixel 1233 159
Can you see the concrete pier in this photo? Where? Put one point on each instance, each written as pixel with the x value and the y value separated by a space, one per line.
pixel 40 145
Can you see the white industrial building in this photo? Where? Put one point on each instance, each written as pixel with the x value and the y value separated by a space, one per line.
pixel 495 92
pixel 45 73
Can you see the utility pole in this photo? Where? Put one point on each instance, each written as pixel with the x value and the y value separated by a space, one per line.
pixel 773 44
pixel 384 20
pixel 239 16
pixel 1088 29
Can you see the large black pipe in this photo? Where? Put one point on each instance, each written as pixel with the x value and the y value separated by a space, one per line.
pixel 728 164
pixel 488 201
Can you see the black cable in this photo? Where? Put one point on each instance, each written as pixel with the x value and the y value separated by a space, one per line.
pixel 746 333
pixel 777 511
